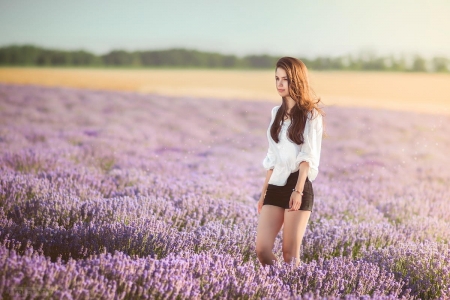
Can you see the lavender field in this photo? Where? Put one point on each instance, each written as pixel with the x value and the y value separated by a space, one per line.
pixel 116 195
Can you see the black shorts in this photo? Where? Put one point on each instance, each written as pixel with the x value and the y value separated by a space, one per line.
pixel 280 195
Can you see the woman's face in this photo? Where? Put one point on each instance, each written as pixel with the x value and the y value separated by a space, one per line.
pixel 281 81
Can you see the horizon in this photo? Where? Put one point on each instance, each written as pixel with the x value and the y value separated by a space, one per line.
pixel 361 52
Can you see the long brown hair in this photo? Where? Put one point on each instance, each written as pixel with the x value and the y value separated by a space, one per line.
pixel 304 97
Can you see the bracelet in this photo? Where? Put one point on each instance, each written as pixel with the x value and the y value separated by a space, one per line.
pixel 294 190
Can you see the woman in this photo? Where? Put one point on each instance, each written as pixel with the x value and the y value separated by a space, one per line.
pixel 292 161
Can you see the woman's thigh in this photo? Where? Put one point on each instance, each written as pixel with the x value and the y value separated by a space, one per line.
pixel 294 228
pixel 269 224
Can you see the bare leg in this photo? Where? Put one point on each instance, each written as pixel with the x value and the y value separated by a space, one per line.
pixel 293 231
pixel 269 224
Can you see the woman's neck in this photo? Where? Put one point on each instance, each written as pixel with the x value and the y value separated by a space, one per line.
pixel 290 104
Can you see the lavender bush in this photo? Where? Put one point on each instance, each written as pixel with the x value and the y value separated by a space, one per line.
pixel 116 195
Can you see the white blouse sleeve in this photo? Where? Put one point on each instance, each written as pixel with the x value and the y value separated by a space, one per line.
pixel 310 149
pixel 270 159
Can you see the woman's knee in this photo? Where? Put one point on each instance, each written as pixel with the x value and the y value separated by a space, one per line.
pixel 263 251
pixel 289 254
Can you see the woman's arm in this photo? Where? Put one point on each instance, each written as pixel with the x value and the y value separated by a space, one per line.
pixel 309 157
pixel 270 159
pixel 303 173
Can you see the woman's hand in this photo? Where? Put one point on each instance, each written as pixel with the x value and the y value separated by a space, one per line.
pixel 295 202
pixel 261 202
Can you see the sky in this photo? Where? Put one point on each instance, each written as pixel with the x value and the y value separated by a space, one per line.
pixel 297 28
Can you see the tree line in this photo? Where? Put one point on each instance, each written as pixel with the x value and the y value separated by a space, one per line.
pixel 30 55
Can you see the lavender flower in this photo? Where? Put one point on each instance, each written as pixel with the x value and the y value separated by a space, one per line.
pixel 114 195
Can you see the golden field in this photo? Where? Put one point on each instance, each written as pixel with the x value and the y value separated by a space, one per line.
pixel 420 92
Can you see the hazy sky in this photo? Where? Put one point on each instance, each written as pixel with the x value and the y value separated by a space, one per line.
pixel 296 28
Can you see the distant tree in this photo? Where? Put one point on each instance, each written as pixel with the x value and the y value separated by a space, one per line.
pixel 376 63
pixel 368 60
pixel 29 55
pixel 260 61
pixel 230 61
pixel 117 58
pixel 149 58
pixel 19 55
pixel 59 58
pixel 337 63
pixel 44 58
pixel 354 63
pixel 441 64
pixel 176 57
pixel 84 58
pixel 419 64
pixel 321 63
pixel 398 64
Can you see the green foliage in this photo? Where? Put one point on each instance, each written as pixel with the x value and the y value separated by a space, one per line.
pixel 419 64
pixel 441 64
pixel 29 55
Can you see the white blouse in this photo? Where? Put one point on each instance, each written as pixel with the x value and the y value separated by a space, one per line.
pixel 285 156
